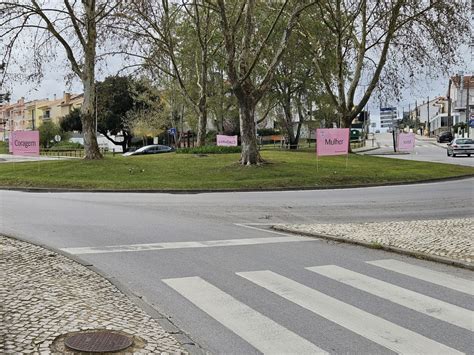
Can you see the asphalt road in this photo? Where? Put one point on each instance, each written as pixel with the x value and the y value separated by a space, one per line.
pixel 425 150
pixel 209 262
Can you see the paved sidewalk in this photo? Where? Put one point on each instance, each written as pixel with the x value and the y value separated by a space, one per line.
pixel 449 239
pixel 8 158
pixel 45 295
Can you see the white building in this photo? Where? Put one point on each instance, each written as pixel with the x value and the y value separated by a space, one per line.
pixel 462 101
pixel 433 111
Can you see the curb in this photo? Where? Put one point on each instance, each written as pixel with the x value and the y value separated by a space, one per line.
pixel 363 150
pixel 390 153
pixel 184 339
pixel 418 255
pixel 195 192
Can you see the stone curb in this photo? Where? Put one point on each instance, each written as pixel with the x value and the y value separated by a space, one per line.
pixel 390 153
pixel 418 255
pixel 363 150
pixel 184 339
pixel 194 192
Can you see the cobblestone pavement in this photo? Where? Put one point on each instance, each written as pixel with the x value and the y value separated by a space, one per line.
pixel 450 238
pixel 45 295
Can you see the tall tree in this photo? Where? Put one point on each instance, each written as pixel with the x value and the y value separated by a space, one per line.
pixel 382 44
pixel 297 86
pixel 178 40
pixel 250 65
pixel 121 102
pixel 77 27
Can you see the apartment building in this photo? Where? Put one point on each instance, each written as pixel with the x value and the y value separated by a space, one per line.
pixel 22 115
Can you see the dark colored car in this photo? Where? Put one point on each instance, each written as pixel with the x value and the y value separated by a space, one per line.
pixel 150 149
pixel 460 146
pixel 445 137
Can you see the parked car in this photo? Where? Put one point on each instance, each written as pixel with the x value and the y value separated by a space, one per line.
pixel 377 131
pixel 445 137
pixel 460 146
pixel 150 149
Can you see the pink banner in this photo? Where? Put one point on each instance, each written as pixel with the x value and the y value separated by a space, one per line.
pixel 332 141
pixel 24 142
pixel 226 141
pixel 406 142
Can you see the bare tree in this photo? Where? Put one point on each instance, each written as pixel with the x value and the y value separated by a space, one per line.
pixel 381 45
pixel 178 40
pixel 242 60
pixel 77 27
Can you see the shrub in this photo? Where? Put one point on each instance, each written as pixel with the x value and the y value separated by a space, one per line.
pixel 209 149
pixel 3 147
pixel 67 145
pixel 268 132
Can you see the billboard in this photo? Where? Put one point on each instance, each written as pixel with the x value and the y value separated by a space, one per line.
pixel 226 141
pixel 24 143
pixel 332 141
pixel 406 142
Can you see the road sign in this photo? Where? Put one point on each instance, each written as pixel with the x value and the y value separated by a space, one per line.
pixel 172 131
pixel 57 138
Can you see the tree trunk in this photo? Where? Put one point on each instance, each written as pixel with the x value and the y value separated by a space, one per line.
pixel 290 132
pixel 250 154
pixel 91 147
pixel 202 122
pixel 346 121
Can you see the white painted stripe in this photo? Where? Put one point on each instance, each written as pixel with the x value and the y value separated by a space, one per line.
pixel 251 226
pixel 258 330
pixel 184 245
pixel 447 312
pixel 421 273
pixel 376 329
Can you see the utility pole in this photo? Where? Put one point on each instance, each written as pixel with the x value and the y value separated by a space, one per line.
pixel 468 108
pixel 449 105
pixel 428 119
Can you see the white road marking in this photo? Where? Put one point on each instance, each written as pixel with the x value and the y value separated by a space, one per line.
pixel 376 329
pixel 447 312
pixel 251 226
pixel 255 328
pixel 421 273
pixel 184 245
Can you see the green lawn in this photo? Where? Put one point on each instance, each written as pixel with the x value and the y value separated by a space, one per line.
pixel 221 171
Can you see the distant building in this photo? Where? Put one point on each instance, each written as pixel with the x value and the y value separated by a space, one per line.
pixel 23 115
pixel 388 115
pixel 460 92
pixel 433 111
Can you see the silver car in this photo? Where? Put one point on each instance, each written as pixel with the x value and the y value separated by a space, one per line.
pixel 460 146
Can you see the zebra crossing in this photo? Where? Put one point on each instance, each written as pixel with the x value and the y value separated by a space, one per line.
pixel 267 336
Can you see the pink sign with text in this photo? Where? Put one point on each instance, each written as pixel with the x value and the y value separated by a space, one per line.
pixel 226 141
pixel 406 142
pixel 332 141
pixel 24 142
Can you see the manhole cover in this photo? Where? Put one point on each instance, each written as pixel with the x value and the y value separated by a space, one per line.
pixel 98 342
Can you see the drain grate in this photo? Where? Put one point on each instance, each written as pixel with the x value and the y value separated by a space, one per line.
pixel 98 342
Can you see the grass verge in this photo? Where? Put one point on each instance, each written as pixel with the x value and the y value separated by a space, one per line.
pixel 172 171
